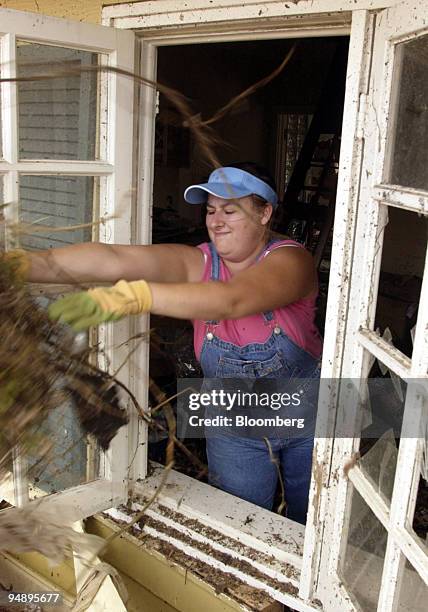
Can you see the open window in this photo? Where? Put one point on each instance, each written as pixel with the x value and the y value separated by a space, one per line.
pixel 306 567
pixel 66 162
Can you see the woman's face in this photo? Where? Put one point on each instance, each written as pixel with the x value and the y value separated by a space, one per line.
pixel 236 227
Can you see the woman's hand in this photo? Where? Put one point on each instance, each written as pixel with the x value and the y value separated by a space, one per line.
pixel 87 308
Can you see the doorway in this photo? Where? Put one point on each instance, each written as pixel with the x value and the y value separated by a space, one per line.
pixel 292 126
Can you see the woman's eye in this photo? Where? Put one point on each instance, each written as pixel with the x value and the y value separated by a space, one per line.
pixel 230 211
pixel 210 212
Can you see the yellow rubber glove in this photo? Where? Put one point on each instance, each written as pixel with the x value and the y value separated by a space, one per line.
pixel 86 308
pixel 19 261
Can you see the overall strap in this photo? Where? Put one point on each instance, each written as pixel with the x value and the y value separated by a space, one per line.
pixel 268 316
pixel 215 262
pixel 215 272
pixel 267 247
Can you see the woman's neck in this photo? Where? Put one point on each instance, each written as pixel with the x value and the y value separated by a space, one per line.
pixel 237 266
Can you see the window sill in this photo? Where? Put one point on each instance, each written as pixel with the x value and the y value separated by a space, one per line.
pixel 233 537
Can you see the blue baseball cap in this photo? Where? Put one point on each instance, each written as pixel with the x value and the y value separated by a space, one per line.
pixel 230 184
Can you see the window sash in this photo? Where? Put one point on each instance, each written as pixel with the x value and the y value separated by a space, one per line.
pixel 395 25
pixel 116 172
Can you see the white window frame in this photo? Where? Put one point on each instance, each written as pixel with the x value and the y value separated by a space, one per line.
pixel 394 25
pixel 167 22
pixel 116 182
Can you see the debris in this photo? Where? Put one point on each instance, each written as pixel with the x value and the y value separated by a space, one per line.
pixel 30 529
pixel 39 372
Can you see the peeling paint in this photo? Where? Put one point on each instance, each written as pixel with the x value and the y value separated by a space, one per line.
pixel 353 461
pixel 317 476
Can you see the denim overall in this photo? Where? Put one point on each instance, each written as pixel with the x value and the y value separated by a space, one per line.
pixel 241 465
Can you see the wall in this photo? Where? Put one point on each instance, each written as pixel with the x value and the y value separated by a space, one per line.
pixel 81 10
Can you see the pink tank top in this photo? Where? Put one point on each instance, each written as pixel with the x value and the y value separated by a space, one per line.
pixel 296 319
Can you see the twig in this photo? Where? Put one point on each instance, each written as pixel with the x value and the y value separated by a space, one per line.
pixel 169 399
pixel 250 90
pixel 203 135
pixel 170 419
pixel 141 513
pixel 202 467
pixel 274 460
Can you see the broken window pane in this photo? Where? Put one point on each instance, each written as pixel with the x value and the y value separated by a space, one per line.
pixel 361 562
pixel 400 280
pixel 51 204
pixel 380 413
pixel 379 461
pixel 57 116
pixel 409 131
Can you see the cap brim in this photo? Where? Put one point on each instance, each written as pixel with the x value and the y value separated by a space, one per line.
pixel 198 194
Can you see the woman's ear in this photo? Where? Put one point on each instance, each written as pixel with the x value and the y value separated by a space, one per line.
pixel 267 213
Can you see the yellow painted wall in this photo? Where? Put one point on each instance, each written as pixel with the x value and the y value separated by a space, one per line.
pixel 80 10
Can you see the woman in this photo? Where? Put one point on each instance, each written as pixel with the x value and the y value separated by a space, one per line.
pixel 252 301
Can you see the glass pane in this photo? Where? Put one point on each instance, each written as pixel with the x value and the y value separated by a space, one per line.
pixel 64 456
pixel 400 282
pixel 49 203
pixel 57 117
pixel 64 464
pixel 413 592
pixel 361 562
pixel 379 462
pixel 379 409
pixel 409 132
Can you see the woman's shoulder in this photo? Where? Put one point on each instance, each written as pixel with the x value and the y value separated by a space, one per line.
pixel 204 247
pixel 277 243
pixel 206 251
pixel 296 255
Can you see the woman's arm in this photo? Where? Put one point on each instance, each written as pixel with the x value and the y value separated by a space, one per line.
pixel 284 276
pixel 98 262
